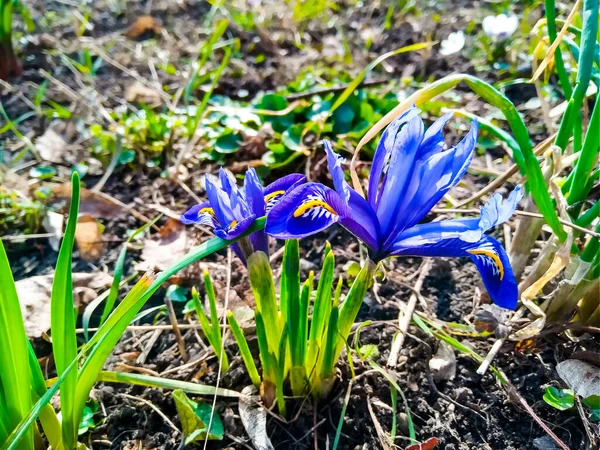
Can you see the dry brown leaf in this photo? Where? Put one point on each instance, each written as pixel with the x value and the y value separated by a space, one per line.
pixel 142 26
pixel 51 146
pixel 172 246
pixel 34 295
pixel 91 204
pixel 88 236
pixel 254 419
pixel 13 181
pixel 581 376
pixel 443 363
pixel 139 93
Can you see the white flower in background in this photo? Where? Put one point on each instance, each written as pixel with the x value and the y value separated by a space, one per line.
pixel 500 28
pixel 453 44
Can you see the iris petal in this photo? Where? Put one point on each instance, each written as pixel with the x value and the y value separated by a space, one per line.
pixel 275 191
pixel 465 237
pixel 201 214
pixel 234 229
pixel 253 193
pixel 402 161
pixel 307 209
pixel 383 153
pixel 432 177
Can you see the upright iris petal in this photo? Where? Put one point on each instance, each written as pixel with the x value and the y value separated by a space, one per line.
pixel 230 211
pixel 412 170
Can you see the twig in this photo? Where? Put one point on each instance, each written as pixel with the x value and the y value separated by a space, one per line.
pixel 178 336
pixel 540 148
pixel 111 167
pixel 334 89
pixel 406 315
pixel 22 237
pixel 129 209
pixel 516 397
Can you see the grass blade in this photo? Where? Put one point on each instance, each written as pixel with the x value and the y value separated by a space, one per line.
pixel 290 300
pixel 263 287
pixel 164 383
pixel 238 334
pixel 14 363
pixel 63 320
pixel 113 324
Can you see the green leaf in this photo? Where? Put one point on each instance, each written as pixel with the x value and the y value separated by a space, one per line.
pixel 292 137
pixel 228 142
pixel 126 156
pixel 63 321
pixel 81 169
pixel 560 399
pixel 195 418
pixel 42 172
pixel 368 351
pixel 87 419
pixel 15 394
pixel 177 293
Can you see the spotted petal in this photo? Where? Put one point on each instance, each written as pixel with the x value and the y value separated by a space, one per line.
pixel 465 237
pixel 275 191
pixel 201 214
pixel 307 209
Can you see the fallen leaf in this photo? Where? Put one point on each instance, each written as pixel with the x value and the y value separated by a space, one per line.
pixel 142 26
pixel 254 419
pixel 88 236
pixel 429 444
pixel 138 93
pixel 90 203
pixel 172 246
pixel 10 180
pixel 51 146
pixel 53 223
pixel 443 364
pixel 581 376
pixel 34 295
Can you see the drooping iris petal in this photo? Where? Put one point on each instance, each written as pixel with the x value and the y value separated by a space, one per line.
pixel 495 269
pixel 465 237
pixel 383 154
pixel 307 209
pixel 432 177
pixel 201 214
pixel 400 169
pixel 275 191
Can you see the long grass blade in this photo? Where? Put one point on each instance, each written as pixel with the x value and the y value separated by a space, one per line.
pixel 238 334
pixel 263 287
pixel 63 320
pixel 14 363
pixel 114 324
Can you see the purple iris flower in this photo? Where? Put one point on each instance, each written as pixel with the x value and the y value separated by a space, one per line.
pixel 412 170
pixel 230 211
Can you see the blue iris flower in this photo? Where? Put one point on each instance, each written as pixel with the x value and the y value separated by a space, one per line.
pixel 412 170
pixel 230 211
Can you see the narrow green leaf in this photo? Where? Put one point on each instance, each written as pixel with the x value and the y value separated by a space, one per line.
pixel 238 334
pixel 63 321
pixel 164 383
pixel 14 362
pixel 263 287
pixel 361 76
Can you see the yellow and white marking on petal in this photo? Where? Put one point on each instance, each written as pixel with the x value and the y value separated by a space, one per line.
pixel 492 257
